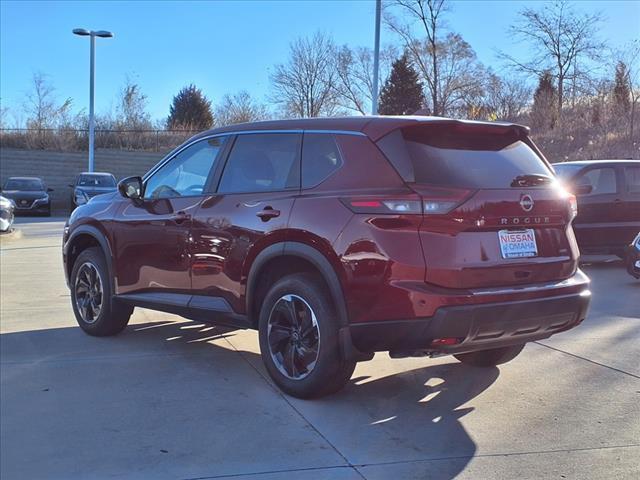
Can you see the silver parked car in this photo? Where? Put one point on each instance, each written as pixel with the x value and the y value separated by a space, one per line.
pixel 6 214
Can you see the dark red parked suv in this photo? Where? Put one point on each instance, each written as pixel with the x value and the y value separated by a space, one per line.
pixel 337 238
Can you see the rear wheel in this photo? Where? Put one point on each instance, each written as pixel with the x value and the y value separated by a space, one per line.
pixel 490 358
pixel 91 297
pixel 298 331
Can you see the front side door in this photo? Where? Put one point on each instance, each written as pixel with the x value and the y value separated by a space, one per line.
pixel 598 193
pixel 152 236
pixel 250 209
pixel 630 208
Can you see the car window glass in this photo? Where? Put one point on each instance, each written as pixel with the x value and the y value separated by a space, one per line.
pixel 96 181
pixel 262 162
pixel 632 174
pixel 320 158
pixel 24 184
pixel 185 174
pixel 602 180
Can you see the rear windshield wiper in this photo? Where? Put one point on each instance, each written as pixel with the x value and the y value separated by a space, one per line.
pixel 531 180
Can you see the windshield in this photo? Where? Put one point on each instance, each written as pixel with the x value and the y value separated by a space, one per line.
pixel 468 159
pixel 27 184
pixel 96 181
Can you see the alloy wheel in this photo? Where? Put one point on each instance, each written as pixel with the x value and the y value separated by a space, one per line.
pixel 293 336
pixel 88 292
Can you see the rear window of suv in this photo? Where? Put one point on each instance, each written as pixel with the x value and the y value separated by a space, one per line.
pixel 464 157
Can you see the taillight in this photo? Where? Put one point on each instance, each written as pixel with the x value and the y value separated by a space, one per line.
pixel 387 206
pixel 438 201
pixel 573 206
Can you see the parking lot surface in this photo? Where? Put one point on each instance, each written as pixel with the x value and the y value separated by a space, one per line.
pixel 171 398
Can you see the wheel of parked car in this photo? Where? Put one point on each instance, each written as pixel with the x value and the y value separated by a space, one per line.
pixel 298 330
pixel 490 358
pixel 91 296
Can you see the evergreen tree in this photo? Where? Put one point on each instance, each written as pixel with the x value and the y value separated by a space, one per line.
pixel 402 92
pixel 544 112
pixel 621 92
pixel 190 109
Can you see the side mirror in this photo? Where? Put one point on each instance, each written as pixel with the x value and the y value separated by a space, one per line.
pixel 131 187
pixel 71 185
pixel 49 190
pixel 583 189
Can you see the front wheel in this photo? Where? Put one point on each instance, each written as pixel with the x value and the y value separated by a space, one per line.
pixel 298 330
pixel 490 358
pixel 91 297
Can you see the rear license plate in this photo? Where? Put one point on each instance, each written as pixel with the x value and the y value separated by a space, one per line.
pixel 518 243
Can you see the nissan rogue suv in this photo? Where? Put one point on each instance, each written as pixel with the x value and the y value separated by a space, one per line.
pixel 336 238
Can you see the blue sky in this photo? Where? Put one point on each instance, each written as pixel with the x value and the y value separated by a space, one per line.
pixel 221 46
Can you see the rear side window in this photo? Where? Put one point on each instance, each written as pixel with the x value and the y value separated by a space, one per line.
pixel 262 162
pixel 461 157
pixel 320 158
pixel 601 180
pixel 632 174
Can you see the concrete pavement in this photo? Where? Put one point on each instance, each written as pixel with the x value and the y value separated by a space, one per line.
pixel 170 398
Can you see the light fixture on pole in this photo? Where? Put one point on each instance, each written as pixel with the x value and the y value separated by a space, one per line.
pixel 92 67
pixel 376 61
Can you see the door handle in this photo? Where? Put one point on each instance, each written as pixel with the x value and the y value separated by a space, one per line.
pixel 180 217
pixel 268 213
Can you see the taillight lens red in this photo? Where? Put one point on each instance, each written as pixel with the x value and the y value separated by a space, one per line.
pixel 396 206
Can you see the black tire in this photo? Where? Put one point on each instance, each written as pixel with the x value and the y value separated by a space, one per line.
pixel 112 317
pixel 329 372
pixel 490 358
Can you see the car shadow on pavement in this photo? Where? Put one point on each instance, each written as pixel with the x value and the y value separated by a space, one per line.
pixel 387 417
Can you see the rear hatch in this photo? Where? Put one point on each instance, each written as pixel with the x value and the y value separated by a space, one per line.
pixel 493 214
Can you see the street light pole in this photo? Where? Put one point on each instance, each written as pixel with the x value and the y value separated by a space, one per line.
pixel 92 121
pixel 92 70
pixel 376 61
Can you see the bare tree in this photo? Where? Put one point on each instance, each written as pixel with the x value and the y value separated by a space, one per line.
pixel 305 86
pixel 630 56
pixel 506 98
pixel 239 108
pixel 561 40
pixel 131 109
pixel 41 104
pixel 447 64
pixel 425 53
pixel 354 75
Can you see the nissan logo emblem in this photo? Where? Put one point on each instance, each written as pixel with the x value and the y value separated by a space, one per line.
pixel 526 202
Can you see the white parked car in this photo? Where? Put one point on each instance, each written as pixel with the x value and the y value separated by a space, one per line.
pixel 6 214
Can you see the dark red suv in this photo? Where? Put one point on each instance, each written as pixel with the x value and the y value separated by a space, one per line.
pixel 337 238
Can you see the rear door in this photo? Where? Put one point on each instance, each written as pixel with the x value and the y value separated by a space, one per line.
pixel 249 211
pixel 597 226
pixel 492 214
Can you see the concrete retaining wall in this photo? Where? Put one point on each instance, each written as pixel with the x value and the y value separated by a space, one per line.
pixel 58 169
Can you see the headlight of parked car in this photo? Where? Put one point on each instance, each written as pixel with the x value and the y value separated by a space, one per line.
pixel 637 242
pixel 81 198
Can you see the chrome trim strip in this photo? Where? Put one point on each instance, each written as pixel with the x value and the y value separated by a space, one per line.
pixel 577 279
pixel 173 153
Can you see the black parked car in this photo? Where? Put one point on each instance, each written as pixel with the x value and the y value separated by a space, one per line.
pixel 88 185
pixel 633 257
pixel 29 194
pixel 608 194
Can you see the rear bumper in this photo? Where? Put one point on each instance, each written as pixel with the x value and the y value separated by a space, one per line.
pixel 476 327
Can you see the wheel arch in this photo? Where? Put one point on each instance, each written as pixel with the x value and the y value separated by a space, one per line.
pixel 83 237
pixel 296 255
